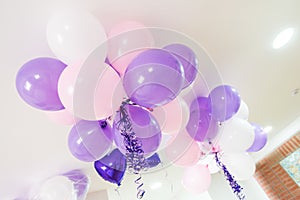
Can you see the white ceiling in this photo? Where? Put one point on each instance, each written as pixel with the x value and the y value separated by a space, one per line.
pixel 237 34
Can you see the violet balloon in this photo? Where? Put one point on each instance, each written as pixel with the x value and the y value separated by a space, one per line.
pixel 260 139
pixel 154 78
pixel 225 102
pixel 201 125
pixel 90 140
pixel 36 83
pixel 81 183
pixel 188 60
pixel 112 167
pixel 145 127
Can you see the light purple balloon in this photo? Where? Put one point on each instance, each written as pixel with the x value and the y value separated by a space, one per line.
pixel 260 139
pixel 154 78
pixel 90 140
pixel 36 83
pixel 225 102
pixel 201 126
pixel 81 183
pixel 145 127
pixel 188 60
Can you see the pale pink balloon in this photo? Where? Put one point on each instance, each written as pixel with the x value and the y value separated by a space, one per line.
pixel 109 93
pixel 66 84
pixel 196 179
pixel 190 157
pixel 63 117
pixel 126 40
pixel 178 146
pixel 173 116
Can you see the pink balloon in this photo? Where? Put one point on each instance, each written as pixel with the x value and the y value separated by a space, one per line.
pixel 177 148
pixel 109 94
pixel 196 179
pixel 173 116
pixel 63 117
pixel 66 84
pixel 123 47
pixel 190 157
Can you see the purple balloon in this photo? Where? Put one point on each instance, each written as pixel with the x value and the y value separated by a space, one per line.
pixel 225 102
pixel 153 161
pixel 145 127
pixel 188 60
pixel 201 125
pixel 260 139
pixel 112 167
pixel 154 78
pixel 90 140
pixel 81 183
pixel 36 83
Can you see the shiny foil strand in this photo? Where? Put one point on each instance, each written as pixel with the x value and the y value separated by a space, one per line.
pixel 237 189
pixel 136 161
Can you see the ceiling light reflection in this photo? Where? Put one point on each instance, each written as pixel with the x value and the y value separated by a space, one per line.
pixel 283 38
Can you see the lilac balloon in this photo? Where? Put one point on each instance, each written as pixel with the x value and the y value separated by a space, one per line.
pixel 188 60
pixel 154 78
pixel 145 127
pixel 201 125
pixel 225 102
pixel 36 83
pixel 81 183
pixel 112 167
pixel 90 140
pixel 260 139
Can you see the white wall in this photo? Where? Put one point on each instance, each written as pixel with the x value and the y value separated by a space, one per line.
pixel 100 195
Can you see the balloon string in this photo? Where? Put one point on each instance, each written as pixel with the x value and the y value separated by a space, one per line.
pixel 237 189
pixel 136 161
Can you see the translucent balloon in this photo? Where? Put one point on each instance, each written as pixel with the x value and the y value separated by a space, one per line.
pixel 153 78
pixel 173 116
pixel 123 48
pixel 145 127
pixel 196 179
pixel 58 187
pixel 73 34
pixel 37 81
pixel 237 135
pixel 104 92
pixel 188 60
pixel 243 111
pixel 225 102
pixel 80 181
pixel 190 157
pixel 240 165
pixel 90 140
pixel 260 139
pixel 201 126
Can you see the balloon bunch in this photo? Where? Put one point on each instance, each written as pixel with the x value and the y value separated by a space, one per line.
pixel 115 89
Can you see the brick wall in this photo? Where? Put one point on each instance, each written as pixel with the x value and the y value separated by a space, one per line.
pixel 275 181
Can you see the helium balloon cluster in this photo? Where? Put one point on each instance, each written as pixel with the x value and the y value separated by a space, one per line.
pixel 100 75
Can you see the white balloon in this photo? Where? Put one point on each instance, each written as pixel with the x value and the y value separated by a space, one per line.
pixel 57 188
pixel 73 34
pixel 240 165
pixel 237 135
pixel 243 111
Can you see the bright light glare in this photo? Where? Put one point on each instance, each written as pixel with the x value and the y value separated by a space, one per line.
pixel 268 129
pixel 156 185
pixel 283 38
